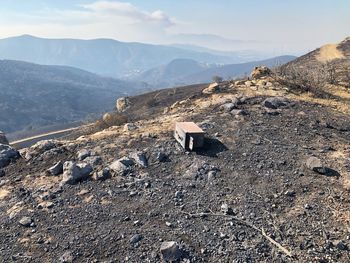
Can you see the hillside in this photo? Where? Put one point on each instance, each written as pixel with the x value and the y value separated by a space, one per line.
pixel 32 96
pixel 102 56
pixel 173 73
pixel 330 63
pixel 233 71
pixel 181 72
pixel 271 184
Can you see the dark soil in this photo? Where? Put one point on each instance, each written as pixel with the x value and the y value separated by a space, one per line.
pixel 254 164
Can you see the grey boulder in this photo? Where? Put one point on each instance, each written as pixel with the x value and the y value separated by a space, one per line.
pixel 121 166
pixel 73 173
pixel 276 102
pixel 7 154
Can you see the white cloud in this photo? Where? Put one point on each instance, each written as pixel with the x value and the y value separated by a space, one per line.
pixel 127 10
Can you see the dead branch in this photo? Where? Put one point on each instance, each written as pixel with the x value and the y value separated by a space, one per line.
pixel 261 231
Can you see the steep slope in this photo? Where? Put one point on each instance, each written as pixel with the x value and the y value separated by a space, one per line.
pixel 234 70
pixel 33 95
pixel 101 56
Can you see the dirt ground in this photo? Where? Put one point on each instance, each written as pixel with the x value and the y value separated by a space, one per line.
pixel 279 210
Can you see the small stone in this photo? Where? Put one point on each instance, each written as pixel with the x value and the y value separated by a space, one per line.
pixel 170 251
pixel 55 170
pixel 161 157
pixel 168 224
pixel 315 164
pixel 307 206
pixel 342 245
pixel 132 194
pixel 67 257
pixel 178 194
pixel 140 158
pixel 84 153
pixel 211 175
pixel 2 173
pixel 135 239
pixel 26 221
pixel 289 193
pixel 102 175
pixel 226 210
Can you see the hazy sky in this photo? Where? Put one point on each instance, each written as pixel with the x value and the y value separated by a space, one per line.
pixel 285 25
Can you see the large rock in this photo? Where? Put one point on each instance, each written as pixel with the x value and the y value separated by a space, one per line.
pixel 3 139
pixel 73 173
pixel 260 72
pixel 276 102
pixel 7 154
pixel 170 251
pixel 212 88
pixel 121 166
pixel 122 104
pixel 39 148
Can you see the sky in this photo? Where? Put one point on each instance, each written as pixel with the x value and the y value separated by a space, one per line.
pixel 284 26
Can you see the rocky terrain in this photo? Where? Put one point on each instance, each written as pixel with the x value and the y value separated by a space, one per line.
pixel 272 183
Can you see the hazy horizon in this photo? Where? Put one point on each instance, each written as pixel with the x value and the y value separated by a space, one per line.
pixel 290 27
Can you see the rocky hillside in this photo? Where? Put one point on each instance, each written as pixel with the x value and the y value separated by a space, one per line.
pixel 32 96
pixel 271 184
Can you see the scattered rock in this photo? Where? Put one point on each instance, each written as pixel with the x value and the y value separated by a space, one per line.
pixel 3 139
pixel 82 154
pixel 130 127
pixel 93 160
pixel 67 257
pixel 227 107
pixel 170 251
pixel 161 157
pixel 55 170
pixel 140 159
pixel 179 195
pixel 315 164
pixel 226 210
pixel 238 112
pixel 121 166
pixel 73 173
pixel 7 154
pixel 122 104
pixel 135 239
pixel 26 221
pixel 276 102
pixel 102 175
pixel 2 173
pixel 341 245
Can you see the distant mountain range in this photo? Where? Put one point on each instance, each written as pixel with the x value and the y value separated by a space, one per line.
pixel 185 71
pixel 33 95
pixel 101 56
